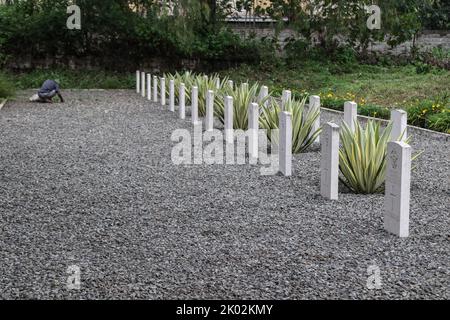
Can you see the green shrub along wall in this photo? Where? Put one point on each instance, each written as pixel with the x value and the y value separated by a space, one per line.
pixel 114 36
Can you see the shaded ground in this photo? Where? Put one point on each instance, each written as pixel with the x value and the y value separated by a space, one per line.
pixel 90 183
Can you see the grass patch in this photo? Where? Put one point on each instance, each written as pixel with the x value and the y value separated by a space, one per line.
pixel 6 87
pixel 376 89
pixel 385 86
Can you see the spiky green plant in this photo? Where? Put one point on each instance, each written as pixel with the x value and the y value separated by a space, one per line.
pixel 188 78
pixel 205 83
pixel 363 156
pixel 302 123
pixel 242 95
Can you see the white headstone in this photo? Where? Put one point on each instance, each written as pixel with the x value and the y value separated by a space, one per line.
pixel 397 191
pixel 181 97
pixel 399 120
pixel 138 81
pixel 329 163
pixel 143 84
pixel 155 89
pixel 229 132
pixel 172 95
pixel 285 98
pixel 285 144
pixel 350 114
pixel 314 102
pixel 218 83
pixel 244 86
pixel 209 118
pixel 194 107
pixel 253 129
pixel 231 84
pixel 149 86
pixel 163 91
pixel 264 92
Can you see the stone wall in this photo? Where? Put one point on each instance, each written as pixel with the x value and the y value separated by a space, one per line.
pixel 426 41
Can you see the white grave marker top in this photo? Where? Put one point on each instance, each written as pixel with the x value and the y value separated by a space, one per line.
pixel 172 95
pixel 350 114
pixel 329 162
pixel 229 134
pixel 209 119
pixel 155 89
pixel 143 84
pixel 400 125
pixel 314 102
pixel 138 81
pixel 285 144
pixel 149 86
pixel 397 191
pixel 194 105
pixel 181 97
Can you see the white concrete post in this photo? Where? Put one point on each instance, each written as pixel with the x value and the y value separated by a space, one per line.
pixel 155 89
pixel 285 144
pixel 209 119
pixel 253 129
pixel 285 98
pixel 397 191
pixel 314 102
pixel 138 81
pixel 231 84
pixel 194 106
pixel 218 83
pixel 172 95
pixel 399 120
pixel 182 101
pixel 163 91
pixel 143 84
pixel 229 132
pixel 350 114
pixel 149 86
pixel 329 163
pixel 263 93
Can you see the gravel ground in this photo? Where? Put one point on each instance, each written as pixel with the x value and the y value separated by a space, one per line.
pixel 90 183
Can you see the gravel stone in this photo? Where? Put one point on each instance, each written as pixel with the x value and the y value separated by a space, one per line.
pixel 90 183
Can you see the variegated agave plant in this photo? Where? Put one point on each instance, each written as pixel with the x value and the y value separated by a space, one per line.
pixel 242 96
pixel 362 156
pixel 205 83
pixel 303 133
pixel 188 78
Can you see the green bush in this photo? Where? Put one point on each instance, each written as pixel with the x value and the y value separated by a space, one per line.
pixel 76 79
pixel 440 121
pixel 118 37
pixel 430 114
pixel 6 88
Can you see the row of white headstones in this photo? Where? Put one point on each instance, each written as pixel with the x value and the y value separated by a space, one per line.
pixel 398 175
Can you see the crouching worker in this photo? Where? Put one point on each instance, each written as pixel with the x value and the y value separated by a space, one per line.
pixel 49 89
